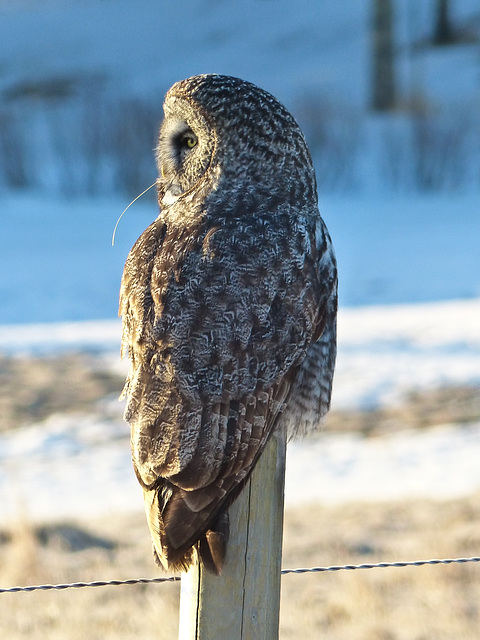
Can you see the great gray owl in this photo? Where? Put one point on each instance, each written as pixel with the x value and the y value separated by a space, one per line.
pixel 229 310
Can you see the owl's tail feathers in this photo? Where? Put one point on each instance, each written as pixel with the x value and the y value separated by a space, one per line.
pixel 213 545
pixel 210 546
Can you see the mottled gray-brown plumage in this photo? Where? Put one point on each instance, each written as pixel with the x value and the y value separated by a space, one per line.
pixel 229 310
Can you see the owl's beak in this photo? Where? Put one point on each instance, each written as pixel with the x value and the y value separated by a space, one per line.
pixel 167 192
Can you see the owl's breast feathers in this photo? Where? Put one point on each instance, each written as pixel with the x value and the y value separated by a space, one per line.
pixel 229 325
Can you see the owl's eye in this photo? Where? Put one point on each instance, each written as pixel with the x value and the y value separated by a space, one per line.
pixel 188 140
pixel 177 143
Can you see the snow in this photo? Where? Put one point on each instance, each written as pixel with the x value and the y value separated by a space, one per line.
pixel 282 46
pixel 384 352
pixel 147 49
pixel 439 463
pixel 37 339
pixel 56 257
pixel 76 466
pixel 399 249
pixel 67 467
pixel 57 262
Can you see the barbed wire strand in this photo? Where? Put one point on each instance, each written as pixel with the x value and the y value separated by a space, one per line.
pixel 80 585
pixel 382 565
pixel 346 567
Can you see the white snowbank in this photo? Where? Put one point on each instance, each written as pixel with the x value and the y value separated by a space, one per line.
pixel 383 351
pixel 79 466
pixel 437 463
pixel 67 467
pixel 102 335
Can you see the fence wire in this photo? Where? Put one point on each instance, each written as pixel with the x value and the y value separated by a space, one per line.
pixel 345 567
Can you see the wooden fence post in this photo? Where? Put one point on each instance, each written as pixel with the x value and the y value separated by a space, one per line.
pixel 244 602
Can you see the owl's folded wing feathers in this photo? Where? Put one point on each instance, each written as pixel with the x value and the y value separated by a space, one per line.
pixel 212 371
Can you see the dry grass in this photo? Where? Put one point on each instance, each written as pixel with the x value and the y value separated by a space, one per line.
pixel 110 549
pixel 441 602
pixel 419 410
pixel 414 603
pixel 31 389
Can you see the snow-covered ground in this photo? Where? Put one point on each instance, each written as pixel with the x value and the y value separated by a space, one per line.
pixel 74 467
pixel 384 352
pixel 57 262
pixel 70 466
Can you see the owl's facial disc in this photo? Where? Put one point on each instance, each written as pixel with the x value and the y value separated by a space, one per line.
pixel 178 144
pixel 185 147
pixel 181 141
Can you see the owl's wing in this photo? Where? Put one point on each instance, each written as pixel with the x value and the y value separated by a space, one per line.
pixel 179 517
pixel 217 330
pixel 309 398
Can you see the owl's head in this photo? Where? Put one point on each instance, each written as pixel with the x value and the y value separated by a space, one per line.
pixel 224 135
